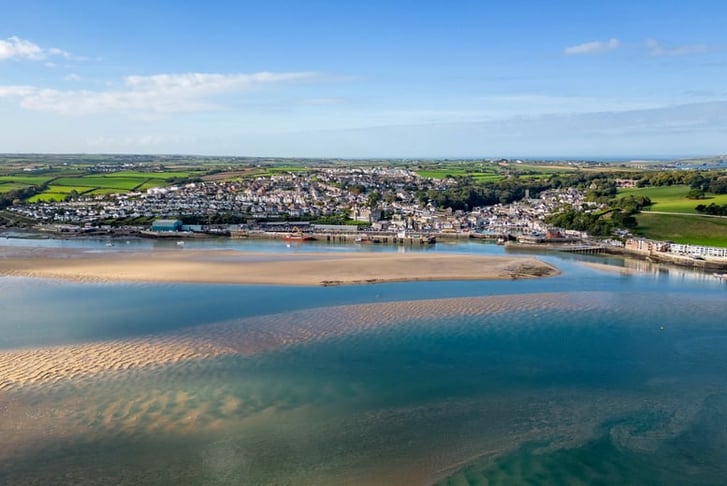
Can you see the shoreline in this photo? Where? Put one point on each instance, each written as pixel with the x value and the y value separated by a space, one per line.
pixel 234 267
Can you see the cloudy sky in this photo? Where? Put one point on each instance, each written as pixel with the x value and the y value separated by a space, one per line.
pixel 365 79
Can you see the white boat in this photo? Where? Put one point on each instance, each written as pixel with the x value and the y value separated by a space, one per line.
pixel 180 243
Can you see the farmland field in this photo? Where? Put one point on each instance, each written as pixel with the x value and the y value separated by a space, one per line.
pixel 444 173
pixel 152 183
pixel 11 186
pixel 120 183
pixel 47 197
pixel 672 199
pixel 56 193
pixel 25 181
pixel 153 175
pixel 692 229
pixel 103 191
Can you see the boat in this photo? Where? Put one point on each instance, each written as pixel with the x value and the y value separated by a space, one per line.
pixel 180 243
pixel 427 239
pixel 364 240
pixel 500 241
pixel 297 235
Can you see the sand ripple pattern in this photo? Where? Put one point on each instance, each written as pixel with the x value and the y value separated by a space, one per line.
pixel 45 365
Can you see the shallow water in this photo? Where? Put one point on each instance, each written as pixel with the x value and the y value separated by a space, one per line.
pixel 589 377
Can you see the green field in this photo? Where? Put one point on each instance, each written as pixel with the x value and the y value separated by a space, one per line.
pixel 93 185
pixel 12 183
pixel 25 181
pixel 672 199
pixel 543 169
pixel 154 175
pixel 11 186
pixel 47 197
pixel 56 193
pixel 150 184
pixel 120 183
pixel 101 192
pixel 696 230
pixel 278 170
pixel 453 172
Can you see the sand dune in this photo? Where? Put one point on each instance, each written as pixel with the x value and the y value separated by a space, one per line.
pixel 199 266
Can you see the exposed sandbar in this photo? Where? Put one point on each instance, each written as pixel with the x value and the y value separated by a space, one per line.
pixel 217 266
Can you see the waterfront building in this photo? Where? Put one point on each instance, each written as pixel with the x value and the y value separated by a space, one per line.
pixel 161 225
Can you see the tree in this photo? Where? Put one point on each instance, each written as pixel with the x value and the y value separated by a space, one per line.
pixel 373 200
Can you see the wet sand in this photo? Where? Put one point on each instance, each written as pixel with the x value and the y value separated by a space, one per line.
pixel 199 266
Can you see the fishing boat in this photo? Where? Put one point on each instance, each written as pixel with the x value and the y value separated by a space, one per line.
pixel 365 240
pixel 297 235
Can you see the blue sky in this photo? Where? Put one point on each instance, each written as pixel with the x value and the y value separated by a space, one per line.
pixel 365 79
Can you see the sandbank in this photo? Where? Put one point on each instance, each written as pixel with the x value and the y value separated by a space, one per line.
pixel 225 266
pixel 74 363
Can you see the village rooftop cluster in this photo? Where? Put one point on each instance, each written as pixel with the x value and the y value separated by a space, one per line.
pixel 385 199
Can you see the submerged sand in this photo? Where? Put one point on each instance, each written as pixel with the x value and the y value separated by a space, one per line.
pixel 610 268
pixel 42 366
pixel 219 266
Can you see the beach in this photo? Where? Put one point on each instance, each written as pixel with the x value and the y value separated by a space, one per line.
pixel 234 267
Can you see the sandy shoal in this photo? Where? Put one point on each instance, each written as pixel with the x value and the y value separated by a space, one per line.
pixel 223 266
pixel 30 366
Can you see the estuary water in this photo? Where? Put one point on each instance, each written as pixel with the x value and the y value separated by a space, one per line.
pixel 590 377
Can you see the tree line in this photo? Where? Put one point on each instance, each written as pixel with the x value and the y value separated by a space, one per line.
pixel 16 195
pixel 713 209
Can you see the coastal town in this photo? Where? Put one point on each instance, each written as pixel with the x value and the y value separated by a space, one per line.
pixel 357 204
pixel 382 200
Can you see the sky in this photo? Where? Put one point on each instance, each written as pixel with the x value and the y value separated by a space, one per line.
pixel 375 79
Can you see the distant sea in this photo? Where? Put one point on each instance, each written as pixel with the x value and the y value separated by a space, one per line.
pixel 591 377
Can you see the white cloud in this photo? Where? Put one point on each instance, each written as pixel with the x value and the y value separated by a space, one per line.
pixel 16 91
pixel 161 93
pixel 658 49
pixel 16 48
pixel 593 47
pixel 72 77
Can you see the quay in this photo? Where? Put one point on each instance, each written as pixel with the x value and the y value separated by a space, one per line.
pixel 413 239
pixel 559 247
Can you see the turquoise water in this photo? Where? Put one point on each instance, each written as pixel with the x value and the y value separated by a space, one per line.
pixel 590 377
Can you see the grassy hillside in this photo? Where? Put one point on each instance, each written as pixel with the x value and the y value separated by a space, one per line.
pixel 696 230
pixel 672 199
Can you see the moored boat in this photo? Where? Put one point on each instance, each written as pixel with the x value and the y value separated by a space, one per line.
pixel 297 235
